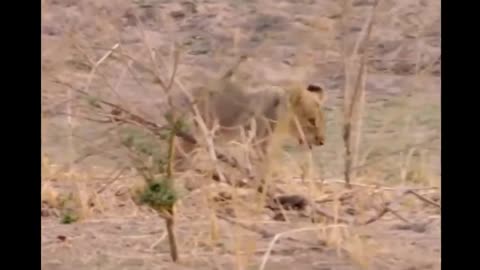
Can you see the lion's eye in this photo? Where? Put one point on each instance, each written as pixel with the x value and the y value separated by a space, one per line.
pixel 311 121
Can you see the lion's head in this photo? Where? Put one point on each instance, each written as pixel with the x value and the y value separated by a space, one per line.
pixel 308 114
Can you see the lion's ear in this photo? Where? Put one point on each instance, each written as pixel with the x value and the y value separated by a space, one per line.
pixel 318 90
pixel 314 88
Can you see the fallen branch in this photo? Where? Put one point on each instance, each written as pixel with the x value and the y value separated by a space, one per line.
pixel 386 207
pixel 422 198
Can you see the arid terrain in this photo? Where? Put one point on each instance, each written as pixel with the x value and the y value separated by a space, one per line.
pixel 120 50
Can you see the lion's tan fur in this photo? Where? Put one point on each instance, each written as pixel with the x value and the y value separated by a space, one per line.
pixel 227 106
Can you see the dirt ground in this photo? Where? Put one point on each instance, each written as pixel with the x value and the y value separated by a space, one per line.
pixel 217 226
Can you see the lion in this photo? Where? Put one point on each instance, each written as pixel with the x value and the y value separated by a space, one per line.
pixel 230 108
pixel 295 109
pixel 299 107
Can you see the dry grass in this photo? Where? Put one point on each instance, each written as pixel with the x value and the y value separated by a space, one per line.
pixel 127 57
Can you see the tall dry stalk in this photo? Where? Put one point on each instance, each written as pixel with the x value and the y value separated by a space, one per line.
pixel 174 123
pixel 169 219
pixel 354 95
pixel 164 204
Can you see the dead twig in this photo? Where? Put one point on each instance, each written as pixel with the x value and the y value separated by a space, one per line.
pixel 386 207
pixel 330 216
pixel 261 232
pixel 113 180
pixel 422 198
pixel 377 217
pixel 342 198
pixel 353 102
pixel 395 213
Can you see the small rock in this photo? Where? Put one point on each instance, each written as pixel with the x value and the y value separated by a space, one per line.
pixel 51 31
pixel 386 47
pixel 296 202
pixel 435 197
pixel 199 52
pixel 279 217
pixel 355 29
pixel 350 211
pixel 62 238
pixel 416 227
pixel 265 23
pixel 178 14
pixel 222 197
pixel 403 68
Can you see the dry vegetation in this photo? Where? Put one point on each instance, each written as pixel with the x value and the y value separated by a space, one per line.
pixel 117 80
